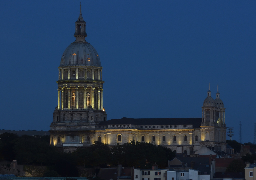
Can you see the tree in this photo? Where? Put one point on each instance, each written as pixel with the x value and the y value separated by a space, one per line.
pixel 234 144
pixel 7 143
pixel 236 165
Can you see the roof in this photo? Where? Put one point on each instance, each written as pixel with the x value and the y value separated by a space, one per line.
pixel 196 122
pixel 80 53
pixel 223 162
pixel 202 164
pixel 205 151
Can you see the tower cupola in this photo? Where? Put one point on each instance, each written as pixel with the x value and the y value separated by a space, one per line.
pixel 80 33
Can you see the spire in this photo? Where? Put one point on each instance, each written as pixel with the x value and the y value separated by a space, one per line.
pixel 80 9
pixel 80 32
pixel 217 94
pixel 209 91
pixel 80 18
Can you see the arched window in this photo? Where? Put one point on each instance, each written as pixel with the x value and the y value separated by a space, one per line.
pixel 196 138
pixel 73 99
pixel 174 138
pixel 185 138
pixel 142 138
pixel 153 138
pixel 119 137
pixel 99 139
pixel 88 99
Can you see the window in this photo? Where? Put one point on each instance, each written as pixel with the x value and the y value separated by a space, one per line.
pixel 142 139
pixel 163 138
pixel 136 176
pixel 174 138
pixel 157 173
pixel 119 137
pixel 153 138
pixel 251 174
pixel 153 126
pixel 196 138
pixel 99 139
pixel 162 126
pixel 148 174
pixel 172 178
pixel 166 126
pixel 185 138
pixel 142 173
pixel 182 174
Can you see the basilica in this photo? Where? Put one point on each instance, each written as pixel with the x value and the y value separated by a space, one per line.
pixel 80 119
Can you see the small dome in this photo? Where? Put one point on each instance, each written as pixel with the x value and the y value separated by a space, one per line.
pixel 209 101
pixel 219 103
pixel 80 53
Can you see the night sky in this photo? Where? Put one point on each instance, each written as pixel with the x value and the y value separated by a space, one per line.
pixel 158 58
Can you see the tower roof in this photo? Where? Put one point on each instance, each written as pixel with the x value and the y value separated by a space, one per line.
pixel 80 52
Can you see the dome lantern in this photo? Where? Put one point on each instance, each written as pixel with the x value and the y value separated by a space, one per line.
pixel 80 32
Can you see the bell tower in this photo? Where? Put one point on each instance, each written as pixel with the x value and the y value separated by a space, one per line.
pixel 80 92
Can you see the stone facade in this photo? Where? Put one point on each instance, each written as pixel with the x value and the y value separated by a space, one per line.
pixel 80 119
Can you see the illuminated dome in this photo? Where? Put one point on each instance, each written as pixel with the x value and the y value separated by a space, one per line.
pixel 80 53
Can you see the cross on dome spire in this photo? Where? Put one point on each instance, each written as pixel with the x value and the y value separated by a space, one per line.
pixel 80 32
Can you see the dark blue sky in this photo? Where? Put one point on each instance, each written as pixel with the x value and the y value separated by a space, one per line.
pixel 158 58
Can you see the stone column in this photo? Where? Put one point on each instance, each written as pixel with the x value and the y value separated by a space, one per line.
pixel 101 74
pixel 85 73
pixel 101 99
pixel 98 74
pixel 85 99
pixel 92 97
pixel 92 74
pixel 62 98
pixel 68 73
pixel 77 98
pixel 69 92
pixel 76 73
pixel 58 98
pixel 98 99
pixel 62 74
